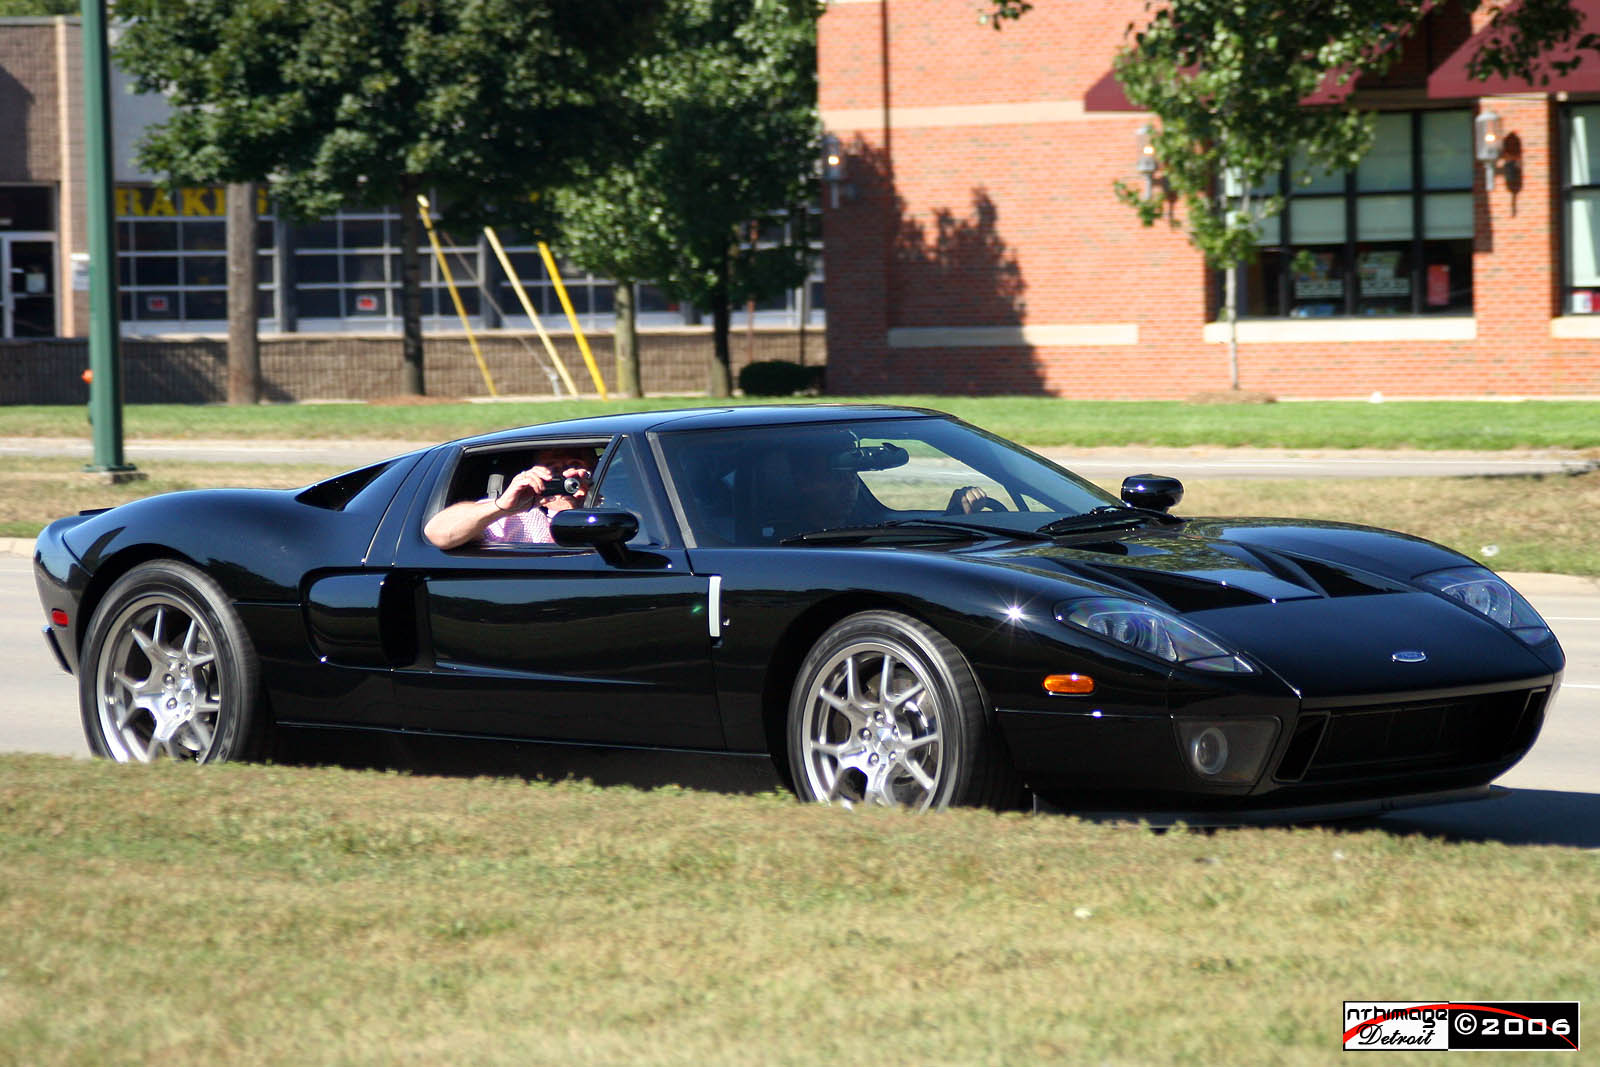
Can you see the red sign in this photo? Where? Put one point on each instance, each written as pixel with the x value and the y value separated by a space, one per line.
pixel 156 304
pixel 1438 284
pixel 366 302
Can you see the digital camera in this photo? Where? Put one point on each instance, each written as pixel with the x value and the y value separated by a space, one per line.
pixel 571 485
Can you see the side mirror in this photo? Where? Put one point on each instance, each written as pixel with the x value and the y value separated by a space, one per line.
pixel 1153 491
pixel 607 530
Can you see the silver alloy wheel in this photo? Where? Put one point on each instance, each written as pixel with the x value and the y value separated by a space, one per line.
pixel 157 684
pixel 871 729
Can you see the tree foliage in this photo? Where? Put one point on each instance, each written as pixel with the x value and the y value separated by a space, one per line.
pixel 370 102
pixel 357 101
pixel 1225 79
pixel 718 130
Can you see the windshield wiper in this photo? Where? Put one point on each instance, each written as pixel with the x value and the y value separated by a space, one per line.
pixel 908 530
pixel 1104 517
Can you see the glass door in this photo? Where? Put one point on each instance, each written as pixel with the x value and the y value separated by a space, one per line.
pixel 27 286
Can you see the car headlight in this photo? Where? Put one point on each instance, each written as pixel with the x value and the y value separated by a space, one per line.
pixel 1484 592
pixel 1150 631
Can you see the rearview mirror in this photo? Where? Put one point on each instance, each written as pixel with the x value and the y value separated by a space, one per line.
pixel 1153 491
pixel 870 458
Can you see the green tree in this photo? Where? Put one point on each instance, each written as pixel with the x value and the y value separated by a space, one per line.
pixel 1225 79
pixel 371 102
pixel 717 129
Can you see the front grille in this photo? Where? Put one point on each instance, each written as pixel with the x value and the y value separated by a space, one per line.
pixel 1344 743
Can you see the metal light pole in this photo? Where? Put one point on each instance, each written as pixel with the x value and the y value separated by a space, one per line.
pixel 105 356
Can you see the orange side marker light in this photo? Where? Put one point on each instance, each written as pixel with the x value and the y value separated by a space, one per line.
pixel 1073 684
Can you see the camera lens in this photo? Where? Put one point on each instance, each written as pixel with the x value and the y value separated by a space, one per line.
pixel 573 485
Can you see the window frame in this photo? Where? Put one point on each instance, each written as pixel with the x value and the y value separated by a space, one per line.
pixel 1351 303
pixel 1567 296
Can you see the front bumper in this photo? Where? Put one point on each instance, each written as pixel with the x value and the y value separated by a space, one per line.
pixel 1326 754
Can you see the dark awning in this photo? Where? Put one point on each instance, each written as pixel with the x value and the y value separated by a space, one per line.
pixel 1451 80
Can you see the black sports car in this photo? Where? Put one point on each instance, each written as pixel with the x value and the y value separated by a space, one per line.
pixel 894 606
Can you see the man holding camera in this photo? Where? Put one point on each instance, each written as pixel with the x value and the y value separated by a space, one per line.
pixel 558 480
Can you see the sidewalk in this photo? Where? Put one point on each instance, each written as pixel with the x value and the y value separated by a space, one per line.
pixel 1195 463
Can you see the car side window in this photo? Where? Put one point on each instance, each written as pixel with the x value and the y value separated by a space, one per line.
pixel 481 474
pixel 622 486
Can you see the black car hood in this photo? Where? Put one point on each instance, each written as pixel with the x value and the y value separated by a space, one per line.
pixel 1264 585
pixel 1214 563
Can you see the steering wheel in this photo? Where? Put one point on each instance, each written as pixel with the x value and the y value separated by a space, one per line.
pixel 989 503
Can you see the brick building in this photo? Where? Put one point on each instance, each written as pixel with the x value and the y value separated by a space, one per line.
pixel 974 244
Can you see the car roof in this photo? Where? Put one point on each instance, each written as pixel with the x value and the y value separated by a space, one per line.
pixel 708 418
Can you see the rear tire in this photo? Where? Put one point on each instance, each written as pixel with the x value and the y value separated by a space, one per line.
pixel 886 711
pixel 169 671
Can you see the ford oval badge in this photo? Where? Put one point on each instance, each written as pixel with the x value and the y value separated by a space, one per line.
pixel 1409 655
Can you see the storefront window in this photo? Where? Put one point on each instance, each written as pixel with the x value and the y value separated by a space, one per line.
pixel 1391 237
pixel 343 272
pixel 172 263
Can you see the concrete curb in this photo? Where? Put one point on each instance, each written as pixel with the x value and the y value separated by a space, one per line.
pixel 1536 583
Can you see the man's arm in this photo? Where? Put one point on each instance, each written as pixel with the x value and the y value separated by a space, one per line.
pixel 462 522
pixel 466 520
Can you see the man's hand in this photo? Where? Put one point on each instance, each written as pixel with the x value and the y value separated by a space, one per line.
pixel 524 490
pixel 965 500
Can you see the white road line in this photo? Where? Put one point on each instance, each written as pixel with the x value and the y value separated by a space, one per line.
pixel 1568 618
pixel 1575 685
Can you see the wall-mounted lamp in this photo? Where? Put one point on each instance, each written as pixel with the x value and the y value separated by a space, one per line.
pixel 833 169
pixel 1145 140
pixel 1488 139
pixel 1232 183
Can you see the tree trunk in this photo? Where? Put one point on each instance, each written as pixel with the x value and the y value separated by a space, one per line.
pixel 1230 304
pixel 244 349
pixel 412 382
pixel 625 341
pixel 721 383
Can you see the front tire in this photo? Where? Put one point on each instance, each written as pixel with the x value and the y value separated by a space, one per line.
pixel 169 671
pixel 886 711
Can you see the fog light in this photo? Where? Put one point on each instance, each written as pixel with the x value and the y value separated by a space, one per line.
pixel 1209 751
pixel 1228 751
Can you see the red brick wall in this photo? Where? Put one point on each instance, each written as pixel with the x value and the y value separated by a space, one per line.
pixel 954 219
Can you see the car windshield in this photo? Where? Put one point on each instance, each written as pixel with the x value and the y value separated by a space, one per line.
pixel 762 485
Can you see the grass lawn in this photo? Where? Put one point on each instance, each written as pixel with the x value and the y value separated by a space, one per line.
pixel 35 490
pixel 1521 523
pixel 1524 523
pixel 1036 421
pixel 317 915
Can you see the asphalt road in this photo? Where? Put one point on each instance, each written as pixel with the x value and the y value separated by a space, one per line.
pixel 1097 463
pixel 1551 797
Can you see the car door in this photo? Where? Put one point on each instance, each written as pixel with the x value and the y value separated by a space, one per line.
pixel 544 642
